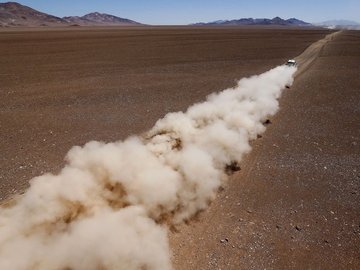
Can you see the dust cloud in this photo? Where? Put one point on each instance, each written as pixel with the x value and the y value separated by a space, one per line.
pixel 111 206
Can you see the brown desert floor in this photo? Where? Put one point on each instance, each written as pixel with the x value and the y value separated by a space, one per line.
pixel 296 202
pixel 65 87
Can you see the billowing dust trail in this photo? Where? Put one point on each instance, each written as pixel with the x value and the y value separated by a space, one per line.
pixel 111 205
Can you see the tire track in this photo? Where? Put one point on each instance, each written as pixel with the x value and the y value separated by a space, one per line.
pixel 307 58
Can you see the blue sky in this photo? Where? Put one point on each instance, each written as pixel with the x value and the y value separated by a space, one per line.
pixel 190 11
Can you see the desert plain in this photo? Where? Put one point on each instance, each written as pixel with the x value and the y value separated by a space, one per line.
pixel 295 203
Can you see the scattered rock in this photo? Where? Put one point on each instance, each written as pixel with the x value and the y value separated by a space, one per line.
pixel 267 122
pixel 232 167
pixel 223 241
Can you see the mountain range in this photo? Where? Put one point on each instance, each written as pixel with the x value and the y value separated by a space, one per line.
pixel 262 21
pixel 97 18
pixel 15 14
pixel 340 24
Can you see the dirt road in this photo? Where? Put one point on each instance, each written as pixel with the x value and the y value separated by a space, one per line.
pixel 311 53
pixel 295 203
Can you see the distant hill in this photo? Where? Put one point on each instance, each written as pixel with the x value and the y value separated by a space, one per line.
pixel 97 18
pixel 340 24
pixel 262 21
pixel 15 14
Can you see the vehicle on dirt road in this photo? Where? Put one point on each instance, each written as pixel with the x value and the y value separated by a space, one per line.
pixel 291 63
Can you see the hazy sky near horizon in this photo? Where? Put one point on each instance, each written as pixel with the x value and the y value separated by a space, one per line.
pixel 192 11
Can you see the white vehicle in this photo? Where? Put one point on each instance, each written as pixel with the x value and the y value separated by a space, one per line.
pixel 291 63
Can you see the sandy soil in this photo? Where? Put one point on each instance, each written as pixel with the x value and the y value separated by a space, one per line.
pixel 295 203
pixel 64 87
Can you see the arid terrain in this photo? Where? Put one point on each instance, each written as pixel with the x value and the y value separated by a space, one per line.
pixel 294 204
pixel 61 88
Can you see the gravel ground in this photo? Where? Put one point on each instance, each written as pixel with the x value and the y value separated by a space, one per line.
pixel 65 87
pixel 296 202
